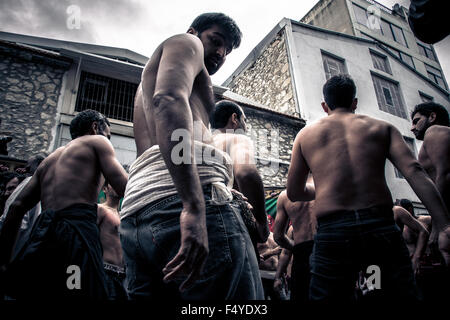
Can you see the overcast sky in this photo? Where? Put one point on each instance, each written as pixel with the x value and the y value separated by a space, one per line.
pixel 141 25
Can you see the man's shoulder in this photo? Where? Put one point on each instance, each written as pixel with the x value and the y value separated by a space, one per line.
pixel 182 39
pixel 437 131
pixel 94 140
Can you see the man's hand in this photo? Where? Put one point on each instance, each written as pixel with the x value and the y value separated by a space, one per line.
pixel 444 244
pixel 278 284
pixel 21 170
pixel 193 250
pixel 415 264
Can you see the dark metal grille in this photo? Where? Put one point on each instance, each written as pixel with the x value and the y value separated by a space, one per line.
pixel 112 97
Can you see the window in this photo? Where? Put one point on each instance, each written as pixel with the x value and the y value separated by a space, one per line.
pixel 392 32
pixel 386 29
pixel 361 15
pixel 410 144
pixel 436 76
pixel 112 97
pixel 424 97
pixel 426 50
pixel 380 62
pixel 403 56
pixel 408 59
pixel 398 35
pixel 332 65
pixel 388 96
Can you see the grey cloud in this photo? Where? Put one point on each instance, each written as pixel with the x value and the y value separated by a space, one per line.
pixel 48 18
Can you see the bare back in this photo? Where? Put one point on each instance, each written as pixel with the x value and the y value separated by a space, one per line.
pixel 108 222
pixel 201 100
pixel 73 173
pixel 346 154
pixel 301 215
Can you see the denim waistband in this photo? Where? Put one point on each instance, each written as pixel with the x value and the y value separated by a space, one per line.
pixel 379 212
pixel 303 247
pixel 171 199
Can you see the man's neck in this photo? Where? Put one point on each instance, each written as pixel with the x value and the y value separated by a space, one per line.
pixel 112 202
pixel 340 111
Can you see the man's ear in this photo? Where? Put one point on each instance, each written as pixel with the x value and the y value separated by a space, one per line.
pixel 325 107
pixel 94 128
pixel 354 104
pixel 192 31
pixel 432 117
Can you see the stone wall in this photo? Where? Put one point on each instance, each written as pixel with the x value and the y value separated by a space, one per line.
pixel 29 91
pixel 268 79
pixel 273 141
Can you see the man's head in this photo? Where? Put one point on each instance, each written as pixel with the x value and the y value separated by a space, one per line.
pixel 219 35
pixel 89 122
pixel 427 114
pixel 407 205
pixel 12 184
pixel 228 115
pixel 339 92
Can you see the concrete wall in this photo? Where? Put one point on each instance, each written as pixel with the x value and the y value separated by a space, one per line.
pixel 311 77
pixel 331 15
pixel 268 79
pixel 29 91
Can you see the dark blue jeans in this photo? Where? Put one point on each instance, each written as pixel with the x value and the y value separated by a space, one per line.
pixel 349 241
pixel 151 238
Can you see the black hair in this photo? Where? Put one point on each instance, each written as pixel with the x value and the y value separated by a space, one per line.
pixel 7 176
pixel 81 124
pixel 406 204
pixel 207 20
pixel 222 112
pixel 427 108
pixel 339 91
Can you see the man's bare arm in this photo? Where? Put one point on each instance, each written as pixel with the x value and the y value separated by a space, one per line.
pixel 408 220
pixel 297 189
pixel 180 63
pixel 111 168
pixel 402 158
pixel 249 181
pixel 283 263
pixel 281 223
pixel 25 201
pixel 437 148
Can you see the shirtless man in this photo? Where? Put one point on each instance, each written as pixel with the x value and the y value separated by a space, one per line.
pixel 304 227
pixel 108 221
pixel 65 240
pixel 407 222
pixel 430 123
pixel 229 124
pixel 346 154
pixel 174 196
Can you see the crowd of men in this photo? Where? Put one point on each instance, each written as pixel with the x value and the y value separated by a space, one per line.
pixel 192 223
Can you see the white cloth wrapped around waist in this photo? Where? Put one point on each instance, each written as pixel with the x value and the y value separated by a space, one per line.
pixel 149 179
